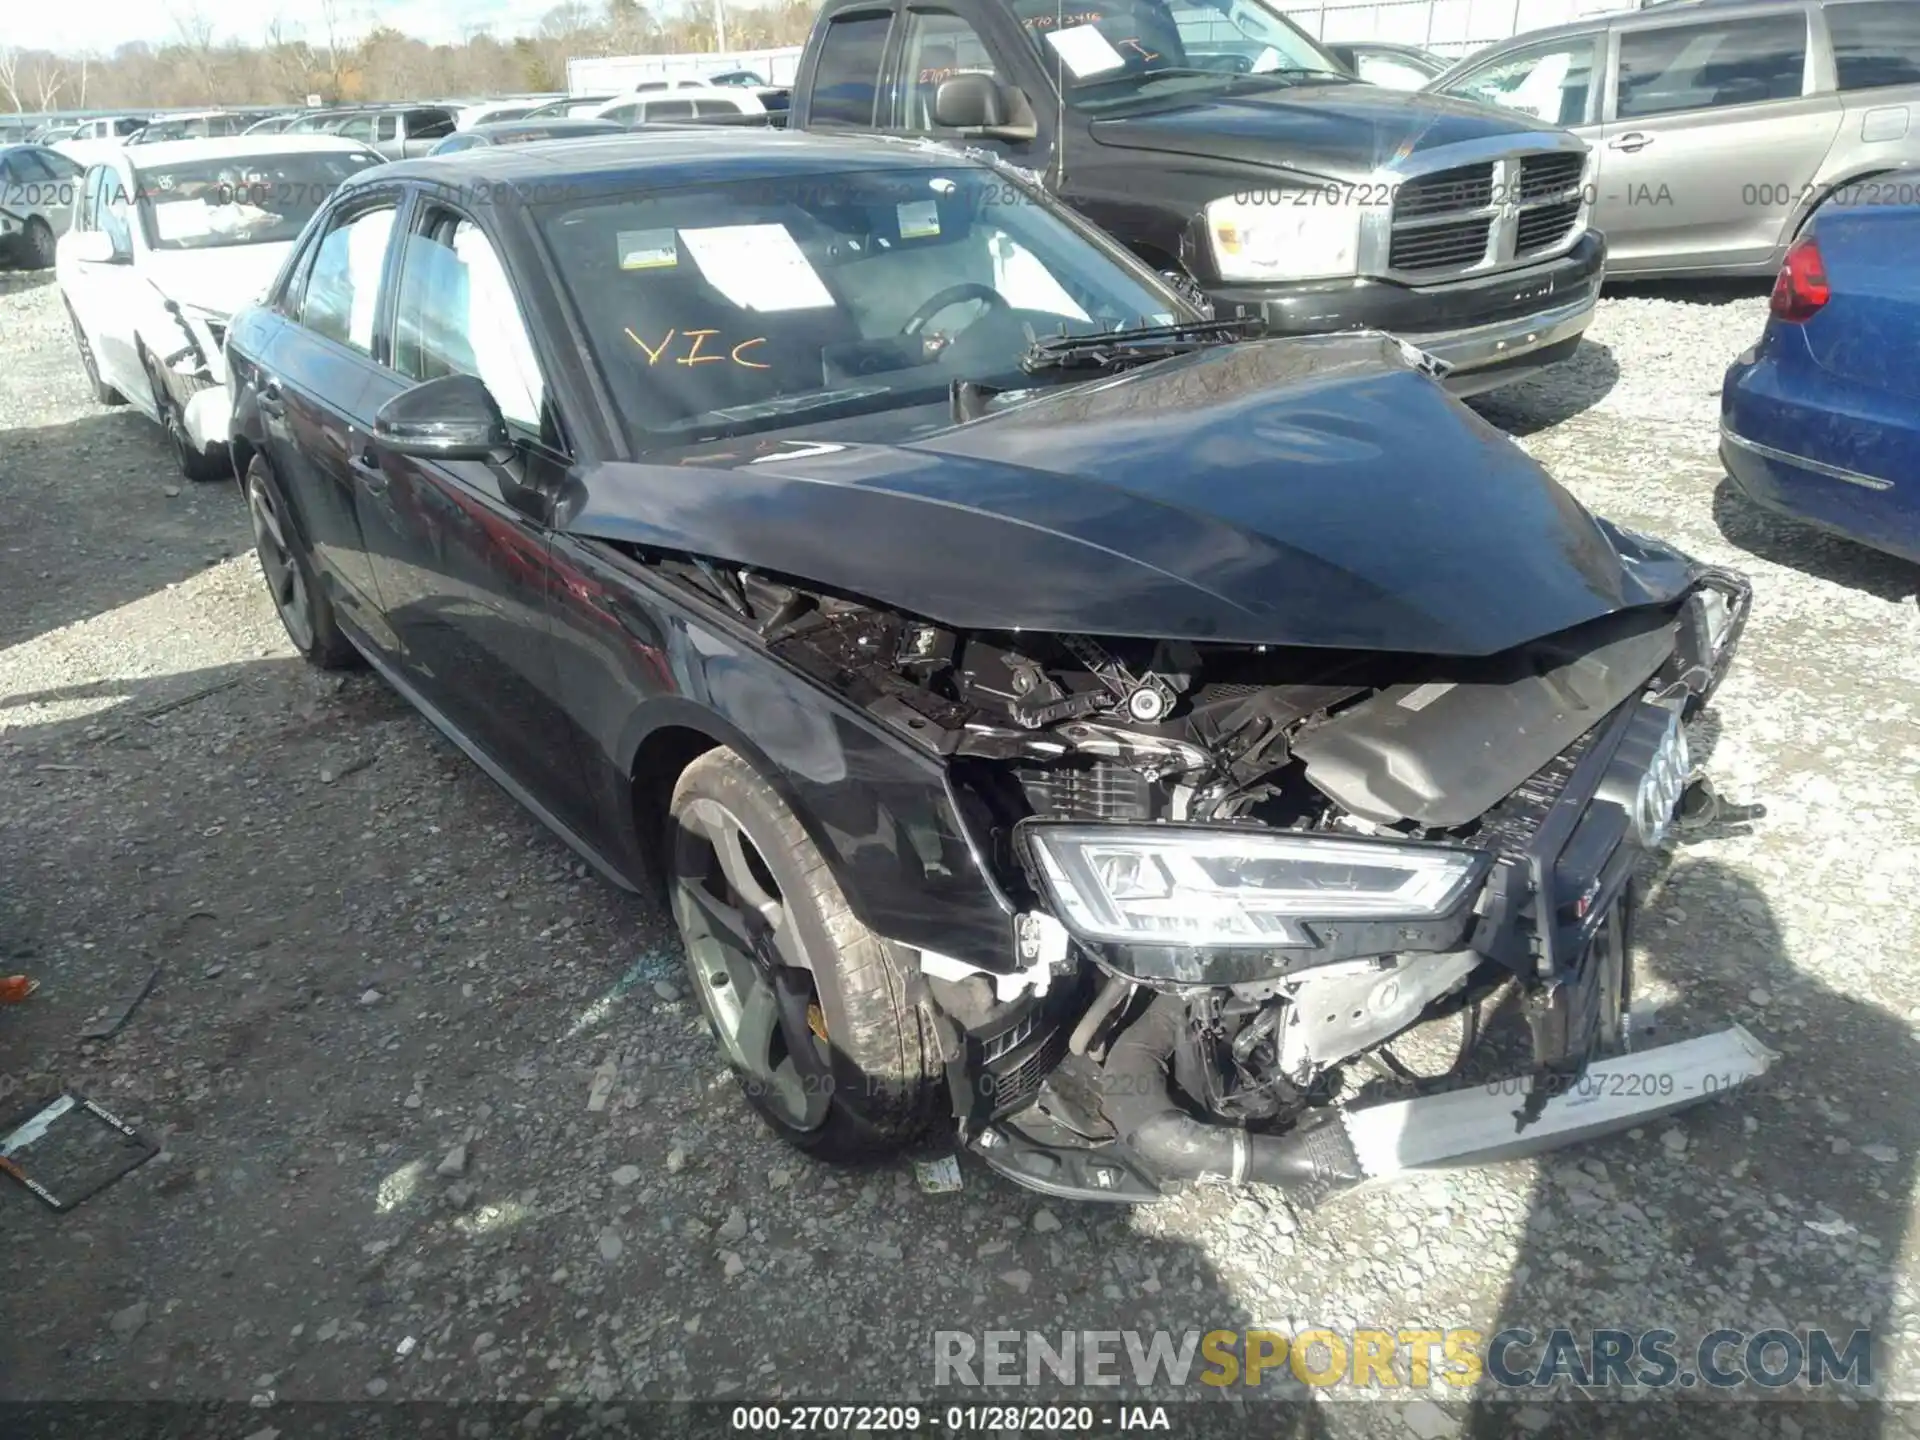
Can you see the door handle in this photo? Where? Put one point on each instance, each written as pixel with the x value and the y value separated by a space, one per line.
pixel 270 399
pixel 366 460
pixel 1633 140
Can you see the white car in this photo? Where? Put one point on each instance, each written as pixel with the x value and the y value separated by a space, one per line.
pixel 166 242
pixel 682 102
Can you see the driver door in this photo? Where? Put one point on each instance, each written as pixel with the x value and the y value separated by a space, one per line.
pixel 934 46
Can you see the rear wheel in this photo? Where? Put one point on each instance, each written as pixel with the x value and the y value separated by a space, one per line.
pixel 304 609
pixel 103 393
pixel 809 1006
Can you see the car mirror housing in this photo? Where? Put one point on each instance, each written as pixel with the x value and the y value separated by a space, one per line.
pixel 96 247
pixel 980 105
pixel 452 418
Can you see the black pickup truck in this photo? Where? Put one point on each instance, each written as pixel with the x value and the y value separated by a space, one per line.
pixel 1228 150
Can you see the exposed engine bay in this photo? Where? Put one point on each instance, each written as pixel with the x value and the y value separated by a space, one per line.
pixel 1238 870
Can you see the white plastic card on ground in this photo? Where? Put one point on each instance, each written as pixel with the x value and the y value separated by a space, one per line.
pixel 1478 1126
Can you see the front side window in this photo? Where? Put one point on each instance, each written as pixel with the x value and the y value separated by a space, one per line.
pixel 1876 45
pixel 258 199
pixel 1711 66
pixel 722 309
pixel 457 315
pixel 342 295
pixel 939 47
pixel 846 78
pixel 1552 84
pixel 360 128
pixel 669 110
pixel 623 114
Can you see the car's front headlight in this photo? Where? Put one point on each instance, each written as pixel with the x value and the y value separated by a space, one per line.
pixel 1286 234
pixel 1201 885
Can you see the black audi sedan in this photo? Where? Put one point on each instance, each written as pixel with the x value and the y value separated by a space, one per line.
pixel 1050 712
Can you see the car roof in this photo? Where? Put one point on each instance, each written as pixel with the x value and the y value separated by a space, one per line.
pixel 672 157
pixel 559 125
pixel 234 147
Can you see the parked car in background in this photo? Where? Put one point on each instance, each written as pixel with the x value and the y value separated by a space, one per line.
pixel 397 132
pixel 167 241
pixel 273 124
pixel 572 106
pixel 708 103
pixel 1821 419
pixel 524 132
pixel 37 188
pixel 196 125
pixel 1719 127
pixel 94 138
pixel 489 112
pixel 52 133
pixel 1398 67
pixel 1031 697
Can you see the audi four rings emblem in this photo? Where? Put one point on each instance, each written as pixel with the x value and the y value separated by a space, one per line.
pixel 1661 787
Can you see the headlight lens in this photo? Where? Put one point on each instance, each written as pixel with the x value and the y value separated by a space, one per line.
pixel 1309 234
pixel 1204 886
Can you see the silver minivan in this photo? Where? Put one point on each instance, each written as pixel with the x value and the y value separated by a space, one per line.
pixel 1719 125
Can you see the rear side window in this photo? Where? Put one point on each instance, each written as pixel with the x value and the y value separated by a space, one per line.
pixel 714 107
pixel 429 124
pixel 1712 66
pixel 847 77
pixel 343 287
pixel 1876 45
pixel 669 110
pixel 622 114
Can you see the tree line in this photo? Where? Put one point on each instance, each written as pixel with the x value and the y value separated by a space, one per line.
pixel 285 66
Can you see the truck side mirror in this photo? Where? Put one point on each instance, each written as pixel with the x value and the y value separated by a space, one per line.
pixel 980 105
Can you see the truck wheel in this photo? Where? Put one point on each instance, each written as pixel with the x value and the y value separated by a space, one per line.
pixel 809 1006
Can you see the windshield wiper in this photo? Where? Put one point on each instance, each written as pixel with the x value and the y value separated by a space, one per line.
pixel 1116 349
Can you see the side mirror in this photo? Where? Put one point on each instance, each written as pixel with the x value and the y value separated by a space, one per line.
pixel 980 105
pixel 452 418
pixel 95 247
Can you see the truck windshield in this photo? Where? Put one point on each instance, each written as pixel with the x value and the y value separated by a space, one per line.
pixel 722 309
pixel 1113 53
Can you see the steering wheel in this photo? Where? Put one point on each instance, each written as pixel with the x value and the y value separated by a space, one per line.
pixel 951 296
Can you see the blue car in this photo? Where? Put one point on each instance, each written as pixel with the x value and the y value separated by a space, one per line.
pixel 1821 419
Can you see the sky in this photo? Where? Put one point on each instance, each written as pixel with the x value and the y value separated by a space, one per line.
pixel 100 25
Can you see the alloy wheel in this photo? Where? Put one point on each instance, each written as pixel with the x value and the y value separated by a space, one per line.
pixel 750 966
pixel 277 563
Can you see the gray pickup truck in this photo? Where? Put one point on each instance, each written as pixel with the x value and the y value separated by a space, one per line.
pixel 1224 147
pixel 398 132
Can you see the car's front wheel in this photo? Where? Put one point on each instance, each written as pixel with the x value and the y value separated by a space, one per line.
pixel 809 1006
pixel 195 463
pixel 305 612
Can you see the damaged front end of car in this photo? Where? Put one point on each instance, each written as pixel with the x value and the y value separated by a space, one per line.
pixel 1241 870
pixel 1349 722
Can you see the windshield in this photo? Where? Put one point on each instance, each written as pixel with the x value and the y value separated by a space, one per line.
pixel 1110 54
pixel 250 200
pixel 720 310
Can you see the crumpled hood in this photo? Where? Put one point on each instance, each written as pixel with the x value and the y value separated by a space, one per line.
pixel 1313 492
pixel 1339 132
pixel 223 279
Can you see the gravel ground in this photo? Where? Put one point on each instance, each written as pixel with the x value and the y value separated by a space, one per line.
pixel 385 994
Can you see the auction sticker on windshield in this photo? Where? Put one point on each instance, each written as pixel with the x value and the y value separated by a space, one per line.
pixel 1085 51
pixel 757 267
pixel 647 250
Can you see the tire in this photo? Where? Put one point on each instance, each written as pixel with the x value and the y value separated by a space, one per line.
pixel 305 612
pixel 197 465
pixel 863 1079
pixel 40 244
pixel 103 393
